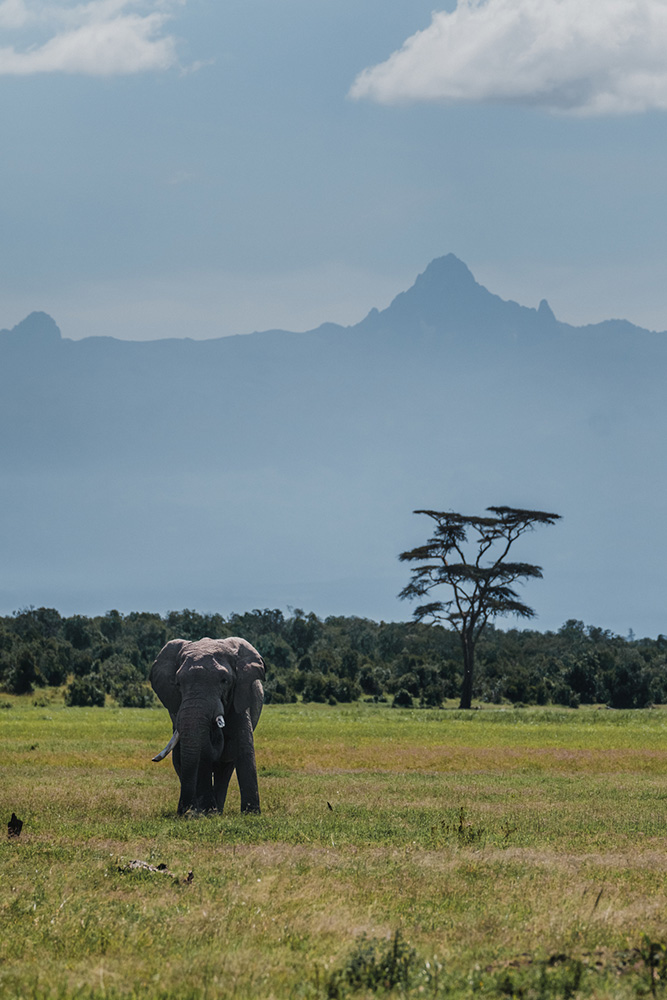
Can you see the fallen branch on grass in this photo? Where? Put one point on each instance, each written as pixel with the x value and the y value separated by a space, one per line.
pixel 161 869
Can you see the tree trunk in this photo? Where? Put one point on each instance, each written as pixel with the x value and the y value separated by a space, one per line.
pixel 468 647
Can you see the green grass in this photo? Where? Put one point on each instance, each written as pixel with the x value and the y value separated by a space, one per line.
pixel 518 852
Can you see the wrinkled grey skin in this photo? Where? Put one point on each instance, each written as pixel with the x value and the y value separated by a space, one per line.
pixel 199 682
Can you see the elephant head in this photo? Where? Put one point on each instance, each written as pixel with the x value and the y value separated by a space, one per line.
pixel 213 692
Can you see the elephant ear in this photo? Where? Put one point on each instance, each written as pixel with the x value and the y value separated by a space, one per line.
pixel 163 675
pixel 250 673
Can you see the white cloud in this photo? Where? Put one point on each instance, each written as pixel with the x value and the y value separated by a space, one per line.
pixel 13 14
pixel 100 38
pixel 566 56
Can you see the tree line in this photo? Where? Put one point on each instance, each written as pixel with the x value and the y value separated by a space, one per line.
pixel 336 659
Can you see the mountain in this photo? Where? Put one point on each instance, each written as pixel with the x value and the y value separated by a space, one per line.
pixel 446 298
pixel 280 469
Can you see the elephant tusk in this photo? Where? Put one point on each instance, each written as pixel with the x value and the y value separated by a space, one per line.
pixel 169 747
pixel 220 721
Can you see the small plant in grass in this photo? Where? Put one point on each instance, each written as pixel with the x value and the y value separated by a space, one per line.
pixel 654 956
pixel 560 978
pixel 368 967
pixel 466 833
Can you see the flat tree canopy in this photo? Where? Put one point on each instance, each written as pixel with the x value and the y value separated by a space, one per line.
pixel 469 555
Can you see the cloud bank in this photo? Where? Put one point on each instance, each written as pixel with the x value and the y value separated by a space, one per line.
pixel 598 57
pixel 99 38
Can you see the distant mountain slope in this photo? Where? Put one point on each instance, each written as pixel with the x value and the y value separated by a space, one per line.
pixel 447 298
pixel 281 468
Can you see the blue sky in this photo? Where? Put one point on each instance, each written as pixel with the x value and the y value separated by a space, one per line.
pixel 197 168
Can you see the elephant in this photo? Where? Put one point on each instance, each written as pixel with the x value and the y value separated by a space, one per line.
pixel 213 692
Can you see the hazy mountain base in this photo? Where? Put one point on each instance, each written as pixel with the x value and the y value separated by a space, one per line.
pixel 518 853
pixel 280 469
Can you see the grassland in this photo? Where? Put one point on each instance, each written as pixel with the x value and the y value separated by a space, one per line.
pixel 517 852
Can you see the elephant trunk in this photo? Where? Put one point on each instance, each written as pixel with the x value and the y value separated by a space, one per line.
pixel 200 746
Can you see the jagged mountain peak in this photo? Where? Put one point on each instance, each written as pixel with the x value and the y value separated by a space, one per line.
pixel 446 282
pixel 444 271
pixel 446 297
pixel 38 327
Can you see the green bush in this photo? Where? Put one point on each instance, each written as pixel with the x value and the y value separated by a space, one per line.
pixel 135 695
pixel 21 673
pixel 402 699
pixel 278 691
pixel 343 689
pixel 315 688
pixel 85 691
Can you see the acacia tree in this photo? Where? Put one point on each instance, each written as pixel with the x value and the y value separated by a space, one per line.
pixel 468 554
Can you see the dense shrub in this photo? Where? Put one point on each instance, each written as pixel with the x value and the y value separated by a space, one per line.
pixel 85 691
pixel 54 660
pixel 20 672
pixel 344 689
pixel 278 691
pixel 315 688
pixel 135 695
pixel 372 680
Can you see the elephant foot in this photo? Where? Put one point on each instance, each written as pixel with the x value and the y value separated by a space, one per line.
pixel 201 806
pixel 196 812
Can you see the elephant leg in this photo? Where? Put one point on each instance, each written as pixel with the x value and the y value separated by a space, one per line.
pixel 205 799
pixel 221 777
pixel 246 772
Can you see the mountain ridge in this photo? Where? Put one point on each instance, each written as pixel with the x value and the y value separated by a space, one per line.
pixel 446 295
pixel 280 469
